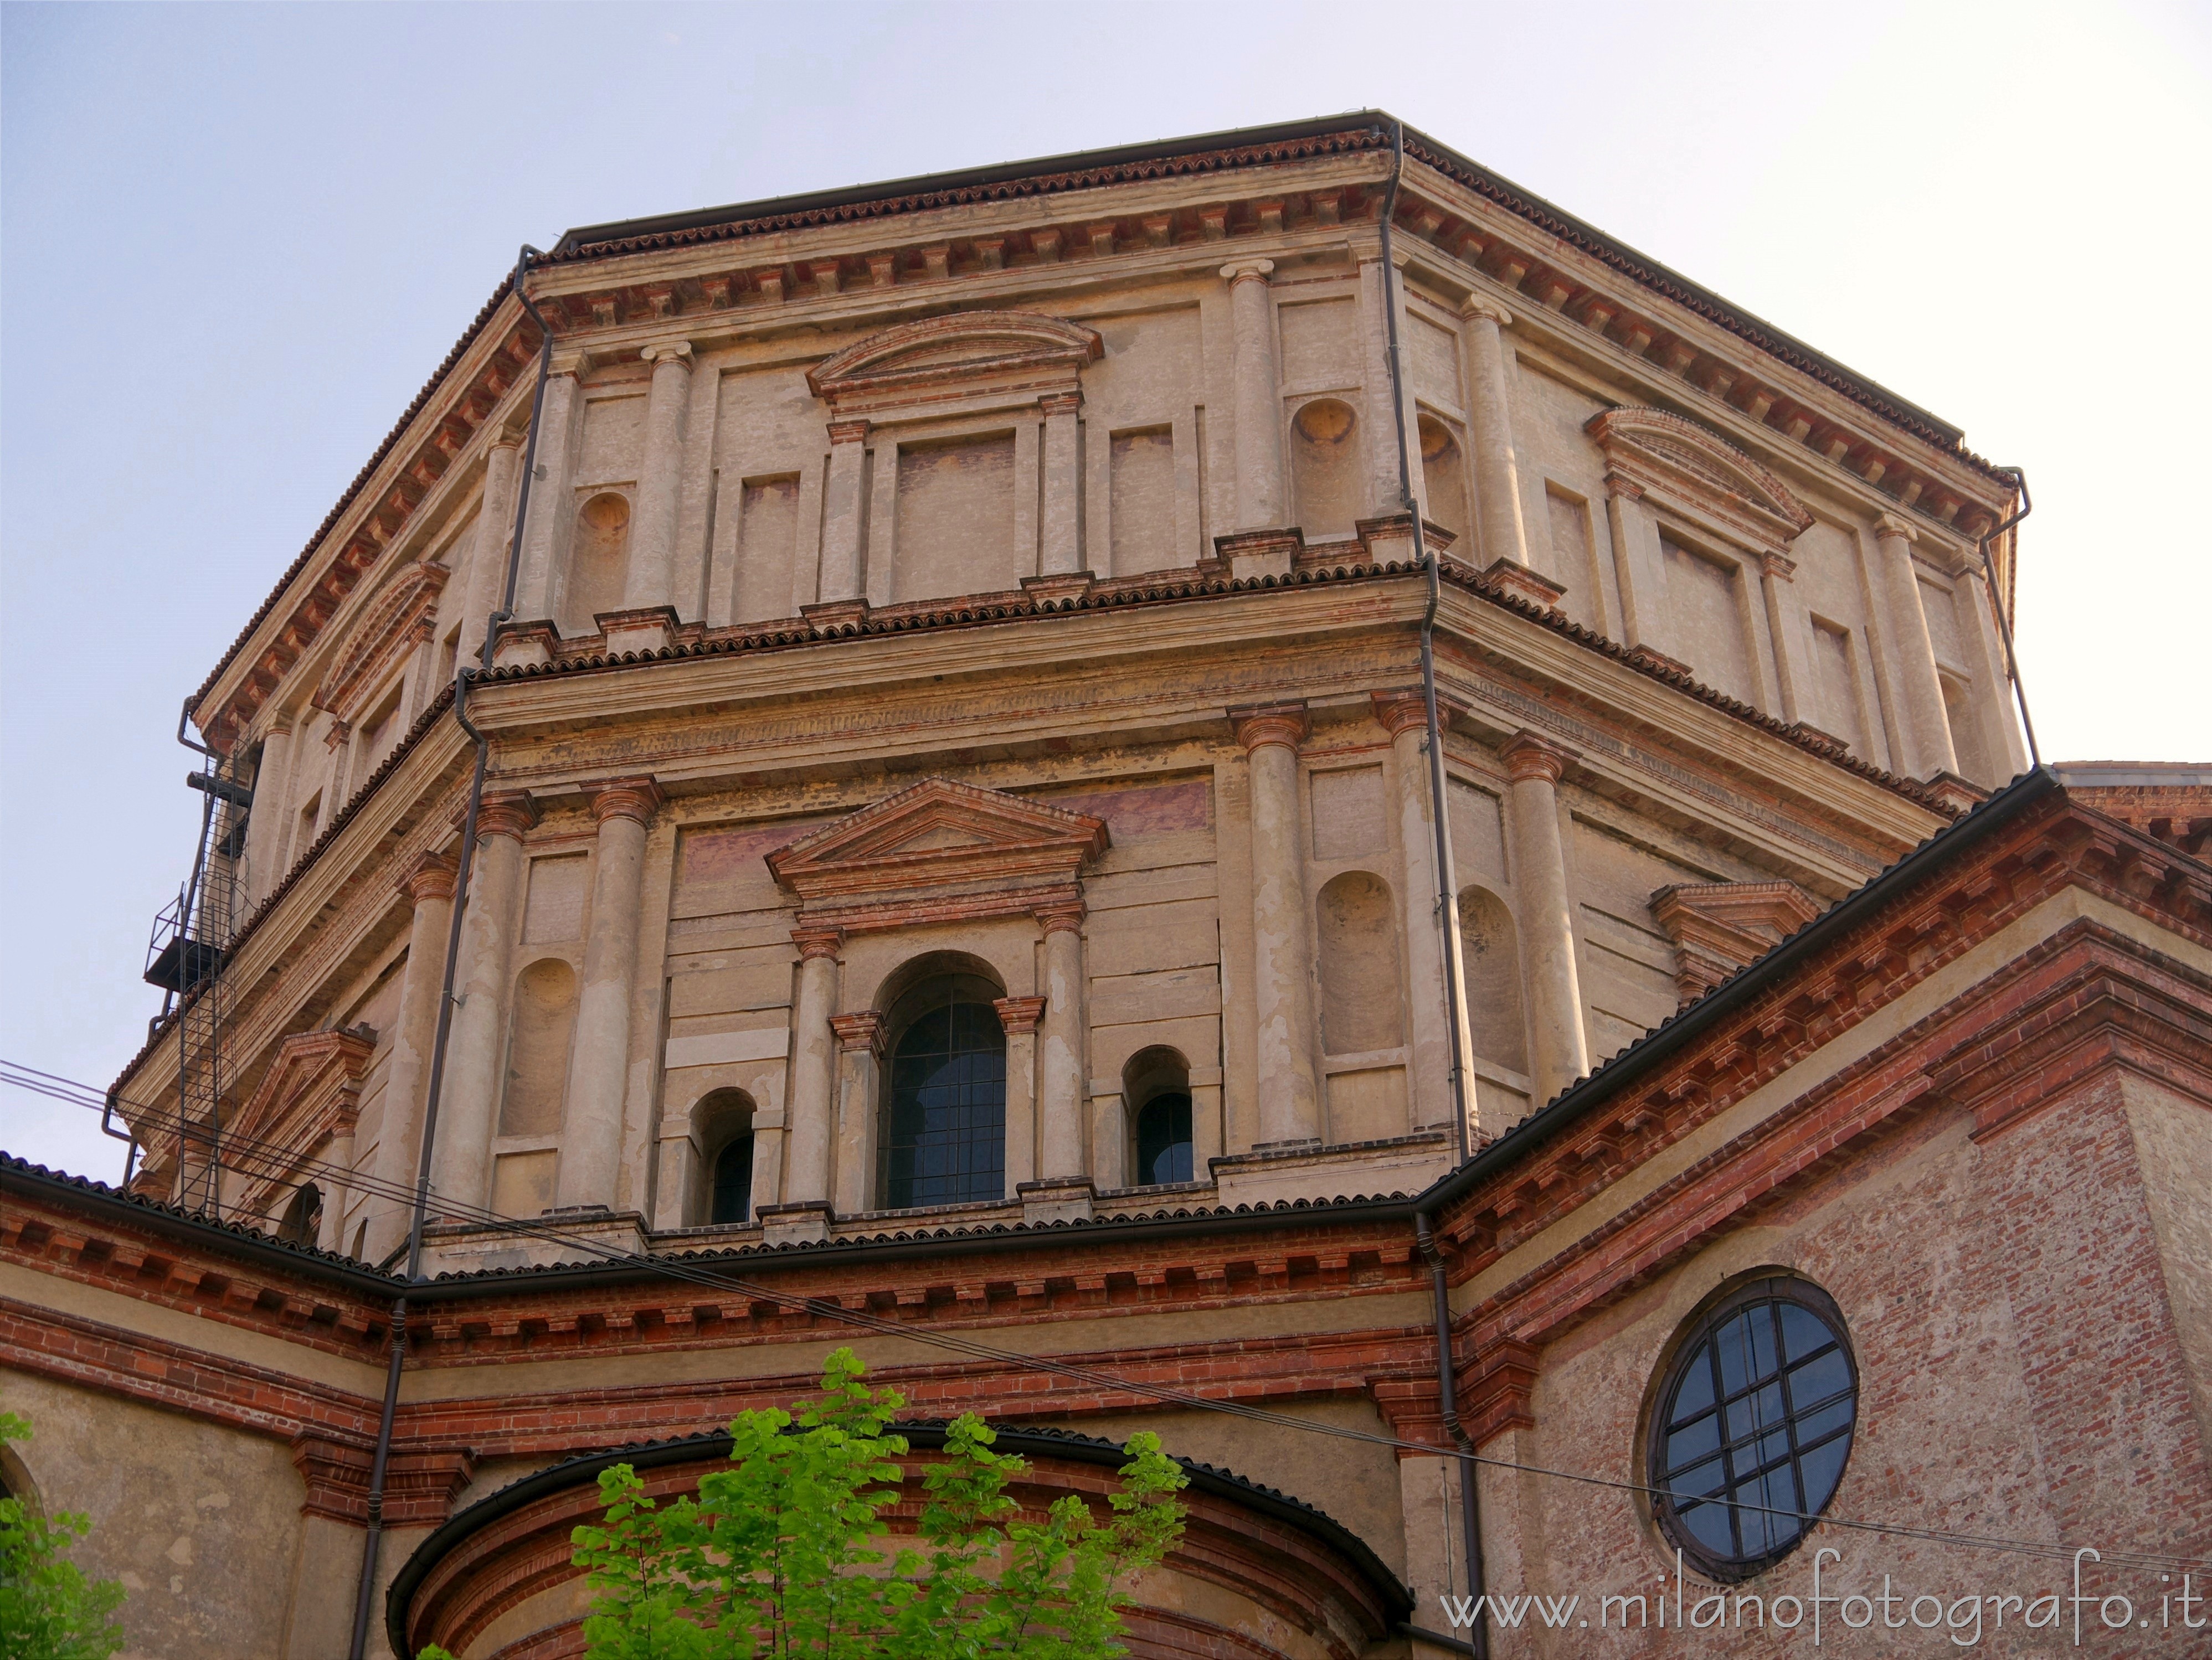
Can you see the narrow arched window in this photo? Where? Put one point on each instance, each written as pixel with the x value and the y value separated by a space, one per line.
pixel 303 1217
pixel 733 1181
pixel 944 1140
pixel 1163 1140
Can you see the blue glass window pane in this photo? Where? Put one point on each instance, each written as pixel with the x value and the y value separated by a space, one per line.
pixel 946 1140
pixel 1823 1468
pixel 1164 1148
pixel 1699 1439
pixel 733 1181
pixel 1817 1380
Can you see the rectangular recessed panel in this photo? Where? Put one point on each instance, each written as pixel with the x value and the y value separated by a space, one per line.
pixel 556 909
pixel 956 519
pixel 522 1183
pixel 1705 620
pixel 1143 516
pixel 1321 344
pixel 722 1048
pixel 768 540
pixel 1347 813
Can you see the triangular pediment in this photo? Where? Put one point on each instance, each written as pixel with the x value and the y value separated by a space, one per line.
pixel 924 357
pixel 937 837
pixel 1677 457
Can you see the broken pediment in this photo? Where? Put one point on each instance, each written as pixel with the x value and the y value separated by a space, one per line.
pixel 965 355
pixel 938 851
pixel 1717 927
pixel 1677 460
pixel 397 620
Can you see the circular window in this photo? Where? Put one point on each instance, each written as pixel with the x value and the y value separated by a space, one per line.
pixel 1752 1426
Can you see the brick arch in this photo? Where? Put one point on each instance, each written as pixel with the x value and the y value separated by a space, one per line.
pixel 1288 1569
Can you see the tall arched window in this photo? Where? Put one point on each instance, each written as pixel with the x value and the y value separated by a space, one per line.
pixel 303 1217
pixel 1156 1085
pixel 944 1131
pixel 722 1129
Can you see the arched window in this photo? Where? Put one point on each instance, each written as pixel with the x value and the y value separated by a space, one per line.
pixel 733 1198
pixel 1444 482
pixel 303 1217
pixel 1325 468
pixel 1360 1004
pixel 944 1131
pixel 1156 1085
pixel 599 562
pixel 722 1130
pixel 1752 1425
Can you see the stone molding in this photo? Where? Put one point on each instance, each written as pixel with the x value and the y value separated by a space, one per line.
pixel 1719 926
pixel 1017 355
pixel 397 620
pixel 939 852
pixel 310 1094
pixel 505 813
pixel 1400 712
pixel 635 799
pixel 430 877
pixel 1529 755
pixel 1675 459
pixel 863 1030
pixel 1286 724
pixel 1523 583
pixel 1019 1014
pixel 420 1484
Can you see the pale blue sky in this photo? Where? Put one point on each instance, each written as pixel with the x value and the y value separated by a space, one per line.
pixel 235 241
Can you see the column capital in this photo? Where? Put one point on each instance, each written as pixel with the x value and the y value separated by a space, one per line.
pixel 506 813
pixel 1060 915
pixel 1775 563
pixel 1528 755
pixel 1060 403
pixel 848 432
pixel 1892 528
pixel 632 798
pixel 667 351
pixel 861 1031
pixel 818 939
pixel 1019 1014
pixel 430 877
pixel 1247 271
pixel 1400 712
pixel 1621 485
pixel 1285 724
pixel 1481 308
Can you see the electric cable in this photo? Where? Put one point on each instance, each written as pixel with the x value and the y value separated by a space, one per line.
pixel 677 1269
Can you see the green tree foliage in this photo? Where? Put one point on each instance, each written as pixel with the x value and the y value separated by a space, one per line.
pixel 48 1610
pixel 773 1560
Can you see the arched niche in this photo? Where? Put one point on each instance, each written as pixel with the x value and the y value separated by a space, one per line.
pixel 1492 952
pixel 599 562
pixel 1325 467
pixel 1362 1002
pixel 941 1130
pixel 541 1027
pixel 1156 1096
pixel 1443 480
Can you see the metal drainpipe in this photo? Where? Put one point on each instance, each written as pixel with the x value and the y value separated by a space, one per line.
pixel 1470 1511
pixel 371 1544
pixel 1447 889
pixel 1997 603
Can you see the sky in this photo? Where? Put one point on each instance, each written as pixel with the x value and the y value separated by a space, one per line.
pixel 235 241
